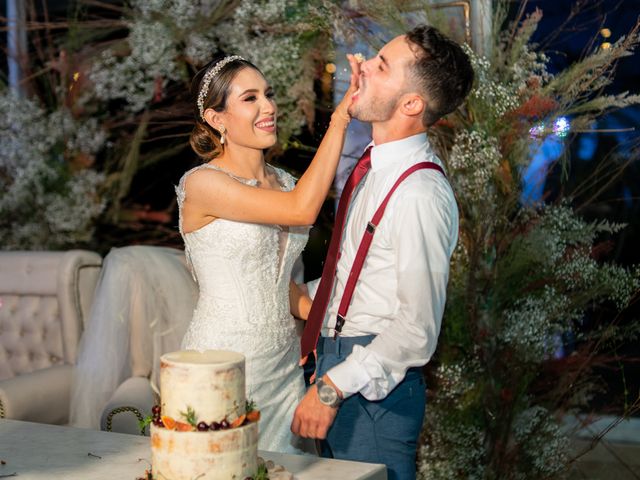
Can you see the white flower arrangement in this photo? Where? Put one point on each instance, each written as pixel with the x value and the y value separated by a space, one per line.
pixel 133 77
pixel 473 160
pixel 542 441
pixel 43 204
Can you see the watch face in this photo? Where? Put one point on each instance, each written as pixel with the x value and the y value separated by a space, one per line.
pixel 327 395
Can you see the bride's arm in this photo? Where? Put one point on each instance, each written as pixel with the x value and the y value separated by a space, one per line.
pixel 299 301
pixel 214 194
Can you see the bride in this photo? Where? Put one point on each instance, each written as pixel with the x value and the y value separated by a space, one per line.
pixel 244 223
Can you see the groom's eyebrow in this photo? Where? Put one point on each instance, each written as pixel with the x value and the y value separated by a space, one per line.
pixel 384 60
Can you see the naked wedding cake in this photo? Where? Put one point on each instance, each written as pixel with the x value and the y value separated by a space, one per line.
pixel 204 427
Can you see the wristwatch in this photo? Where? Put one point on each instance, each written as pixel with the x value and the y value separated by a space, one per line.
pixel 328 394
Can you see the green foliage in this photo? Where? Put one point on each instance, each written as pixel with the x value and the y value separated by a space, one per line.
pixel 145 422
pixel 190 417
pixel 262 473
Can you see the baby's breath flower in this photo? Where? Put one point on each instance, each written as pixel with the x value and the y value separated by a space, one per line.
pixel 44 205
pixel 541 442
pixel 474 159
pixel 498 96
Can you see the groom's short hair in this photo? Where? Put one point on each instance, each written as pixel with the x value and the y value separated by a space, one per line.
pixel 442 70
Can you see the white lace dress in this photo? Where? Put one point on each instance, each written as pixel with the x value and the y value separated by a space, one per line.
pixel 243 272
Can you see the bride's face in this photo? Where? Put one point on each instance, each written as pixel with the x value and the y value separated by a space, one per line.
pixel 251 113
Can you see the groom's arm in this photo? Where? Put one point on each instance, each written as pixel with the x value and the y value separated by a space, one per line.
pixel 299 300
pixel 423 228
pixel 312 419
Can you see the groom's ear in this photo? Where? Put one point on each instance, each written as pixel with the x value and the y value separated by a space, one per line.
pixel 412 105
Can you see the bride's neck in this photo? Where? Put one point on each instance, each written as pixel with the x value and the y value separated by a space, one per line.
pixel 244 162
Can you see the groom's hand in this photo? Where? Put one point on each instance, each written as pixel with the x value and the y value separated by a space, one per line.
pixel 312 419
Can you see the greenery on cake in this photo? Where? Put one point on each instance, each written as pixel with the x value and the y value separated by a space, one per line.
pixel 190 417
pixel 250 406
pixel 261 474
pixel 250 414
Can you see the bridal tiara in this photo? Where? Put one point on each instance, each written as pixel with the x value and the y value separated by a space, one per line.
pixel 206 80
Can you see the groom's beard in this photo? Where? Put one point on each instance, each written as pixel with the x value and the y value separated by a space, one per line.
pixel 374 109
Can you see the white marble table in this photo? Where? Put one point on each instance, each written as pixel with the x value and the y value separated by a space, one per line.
pixel 37 451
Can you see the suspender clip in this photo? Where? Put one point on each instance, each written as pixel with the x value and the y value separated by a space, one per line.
pixel 371 227
pixel 339 324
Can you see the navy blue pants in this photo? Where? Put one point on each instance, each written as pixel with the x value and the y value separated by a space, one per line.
pixel 384 431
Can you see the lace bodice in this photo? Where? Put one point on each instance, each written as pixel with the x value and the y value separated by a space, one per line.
pixel 243 272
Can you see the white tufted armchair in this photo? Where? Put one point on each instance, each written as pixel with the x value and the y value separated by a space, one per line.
pixel 44 300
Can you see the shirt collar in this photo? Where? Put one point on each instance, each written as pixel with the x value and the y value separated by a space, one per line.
pixel 391 153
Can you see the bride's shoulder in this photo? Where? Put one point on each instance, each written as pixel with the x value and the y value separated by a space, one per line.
pixel 202 177
pixel 207 173
pixel 194 171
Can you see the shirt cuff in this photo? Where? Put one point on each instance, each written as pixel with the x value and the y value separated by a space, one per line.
pixel 312 287
pixel 348 376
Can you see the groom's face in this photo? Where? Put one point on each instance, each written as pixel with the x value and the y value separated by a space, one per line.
pixel 383 80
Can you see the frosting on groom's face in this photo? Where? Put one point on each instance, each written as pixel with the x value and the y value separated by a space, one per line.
pixel 250 117
pixel 382 82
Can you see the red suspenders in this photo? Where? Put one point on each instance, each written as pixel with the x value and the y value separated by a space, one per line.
pixel 365 243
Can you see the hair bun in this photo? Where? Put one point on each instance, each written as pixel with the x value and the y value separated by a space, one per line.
pixel 205 141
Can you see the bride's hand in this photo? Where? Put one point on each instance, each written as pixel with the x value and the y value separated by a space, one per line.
pixel 342 110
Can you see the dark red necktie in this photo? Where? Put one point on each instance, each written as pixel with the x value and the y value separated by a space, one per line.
pixel 320 303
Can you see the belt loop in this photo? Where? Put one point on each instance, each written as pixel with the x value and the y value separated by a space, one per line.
pixel 338 343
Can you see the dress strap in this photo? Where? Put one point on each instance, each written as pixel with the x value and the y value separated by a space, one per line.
pixel 285 179
pixel 247 181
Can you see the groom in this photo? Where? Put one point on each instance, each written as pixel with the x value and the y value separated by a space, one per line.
pixel 370 396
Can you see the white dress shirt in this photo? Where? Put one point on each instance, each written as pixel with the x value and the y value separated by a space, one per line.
pixel 401 292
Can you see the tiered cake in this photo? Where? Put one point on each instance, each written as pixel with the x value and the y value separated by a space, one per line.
pixel 204 430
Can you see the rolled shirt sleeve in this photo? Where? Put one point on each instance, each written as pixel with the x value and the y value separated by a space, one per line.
pixel 422 233
pixel 312 287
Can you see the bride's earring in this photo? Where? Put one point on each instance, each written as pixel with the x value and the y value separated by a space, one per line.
pixel 222 130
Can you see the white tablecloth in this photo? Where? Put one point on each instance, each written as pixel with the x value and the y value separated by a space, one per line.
pixel 38 451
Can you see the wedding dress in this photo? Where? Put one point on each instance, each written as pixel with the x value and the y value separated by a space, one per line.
pixel 243 272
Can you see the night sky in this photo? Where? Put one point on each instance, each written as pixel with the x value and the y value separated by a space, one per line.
pixel 566 43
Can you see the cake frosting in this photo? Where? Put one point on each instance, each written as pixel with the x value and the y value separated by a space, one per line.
pixel 204 432
pixel 212 383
